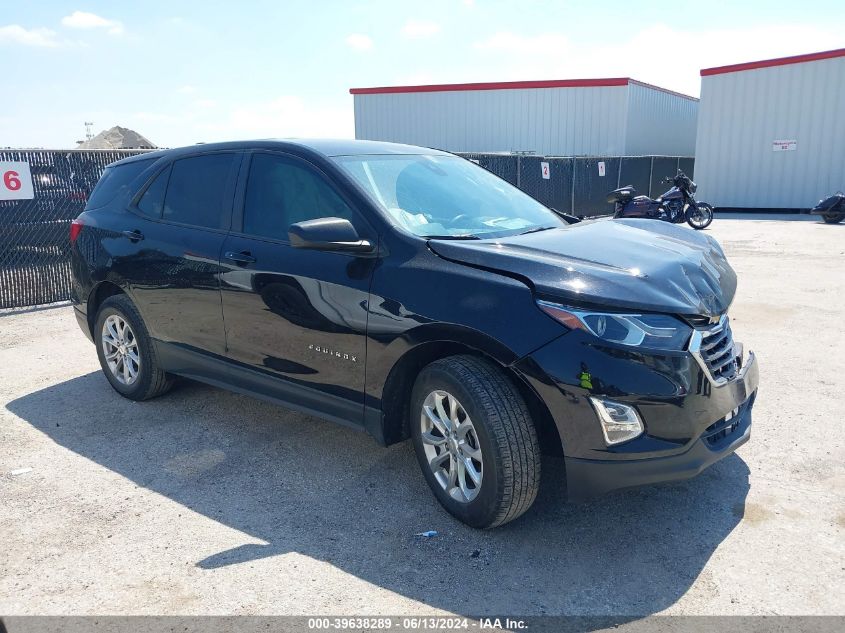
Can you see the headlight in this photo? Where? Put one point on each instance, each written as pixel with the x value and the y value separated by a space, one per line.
pixel 652 331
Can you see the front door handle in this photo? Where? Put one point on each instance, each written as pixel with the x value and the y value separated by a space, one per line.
pixel 135 236
pixel 241 258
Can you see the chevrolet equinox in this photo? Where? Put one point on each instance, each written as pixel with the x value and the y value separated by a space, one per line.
pixel 412 294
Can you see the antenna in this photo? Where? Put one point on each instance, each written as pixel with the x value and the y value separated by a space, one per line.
pixel 88 134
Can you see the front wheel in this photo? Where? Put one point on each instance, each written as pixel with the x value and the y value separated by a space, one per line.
pixel 833 218
pixel 475 441
pixel 700 216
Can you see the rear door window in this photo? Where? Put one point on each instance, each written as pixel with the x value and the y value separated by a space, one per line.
pixel 116 181
pixel 198 191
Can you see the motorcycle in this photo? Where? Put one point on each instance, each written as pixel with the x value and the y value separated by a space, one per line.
pixel 831 209
pixel 677 205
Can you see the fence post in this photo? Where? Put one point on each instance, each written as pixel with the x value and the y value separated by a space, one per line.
pixel 650 175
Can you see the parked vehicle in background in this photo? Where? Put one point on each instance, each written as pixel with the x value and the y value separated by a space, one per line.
pixel 412 294
pixel 677 205
pixel 832 208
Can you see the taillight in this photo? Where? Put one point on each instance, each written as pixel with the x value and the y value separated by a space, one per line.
pixel 75 230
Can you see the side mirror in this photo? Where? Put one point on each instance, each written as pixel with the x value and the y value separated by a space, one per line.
pixel 328 234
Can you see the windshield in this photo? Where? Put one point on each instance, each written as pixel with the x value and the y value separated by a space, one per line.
pixel 447 197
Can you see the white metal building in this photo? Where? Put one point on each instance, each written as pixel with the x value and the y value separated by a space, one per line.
pixel 771 134
pixel 572 117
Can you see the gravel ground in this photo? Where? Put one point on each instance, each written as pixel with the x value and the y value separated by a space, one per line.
pixel 207 502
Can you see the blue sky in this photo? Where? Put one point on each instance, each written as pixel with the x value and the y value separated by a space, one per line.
pixel 183 72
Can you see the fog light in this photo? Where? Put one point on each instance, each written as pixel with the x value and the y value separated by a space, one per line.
pixel 619 422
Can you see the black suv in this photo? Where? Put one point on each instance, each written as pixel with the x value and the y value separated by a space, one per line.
pixel 412 294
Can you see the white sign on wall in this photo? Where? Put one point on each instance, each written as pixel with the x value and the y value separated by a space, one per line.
pixel 784 146
pixel 544 171
pixel 15 181
pixel 601 168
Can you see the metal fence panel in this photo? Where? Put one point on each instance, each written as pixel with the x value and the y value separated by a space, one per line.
pixel 687 165
pixel 555 190
pixel 34 246
pixel 662 166
pixel 505 166
pixel 592 183
pixel 636 171
pixel 576 184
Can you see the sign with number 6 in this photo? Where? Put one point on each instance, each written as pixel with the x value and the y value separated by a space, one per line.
pixel 15 181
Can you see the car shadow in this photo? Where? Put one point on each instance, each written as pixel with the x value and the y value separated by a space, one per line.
pixel 302 485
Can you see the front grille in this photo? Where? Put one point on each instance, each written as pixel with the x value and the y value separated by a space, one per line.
pixel 716 434
pixel 723 431
pixel 717 351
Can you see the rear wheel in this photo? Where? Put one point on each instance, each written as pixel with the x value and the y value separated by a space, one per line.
pixel 700 216
pixel 833 218
pixel 126 352
pixel 475 441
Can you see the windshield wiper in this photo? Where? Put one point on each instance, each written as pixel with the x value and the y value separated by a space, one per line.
pixel 465 236
pixel 538 229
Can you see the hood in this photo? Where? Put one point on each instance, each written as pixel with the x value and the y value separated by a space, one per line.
pixel 646 265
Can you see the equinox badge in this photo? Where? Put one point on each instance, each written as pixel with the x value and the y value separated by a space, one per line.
pixel 335 353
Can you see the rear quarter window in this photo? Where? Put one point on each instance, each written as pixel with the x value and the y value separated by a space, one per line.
pixel 152 201
pixel 115 181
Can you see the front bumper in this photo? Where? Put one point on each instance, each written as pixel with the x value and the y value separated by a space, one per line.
pixel 690 420
pixel 586 478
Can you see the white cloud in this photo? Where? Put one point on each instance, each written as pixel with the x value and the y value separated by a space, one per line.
pixel 16 34
pixel 205 103
pixel 359 42
pixel 85 20
pixel 186 90
pixel 419 29
pixel 515 56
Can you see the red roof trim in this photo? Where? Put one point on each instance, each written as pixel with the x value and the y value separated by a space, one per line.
pixel 514 85
pixel 499 85
pixel 770 63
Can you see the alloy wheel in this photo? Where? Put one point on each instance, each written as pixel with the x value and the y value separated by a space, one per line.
pixel 451 446
pixel 120 349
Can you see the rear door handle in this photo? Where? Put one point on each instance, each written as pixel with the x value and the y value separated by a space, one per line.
pixel 240 258
pixel 135 236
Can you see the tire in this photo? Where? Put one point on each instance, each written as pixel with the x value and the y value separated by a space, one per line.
pixel 149 379
pixel 500 428
pixel 705 211
pixel 833 218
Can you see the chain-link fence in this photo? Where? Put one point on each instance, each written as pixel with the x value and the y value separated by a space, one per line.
pixel 34 265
